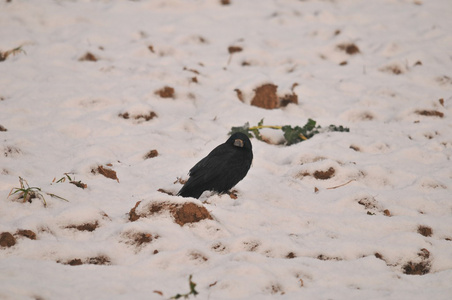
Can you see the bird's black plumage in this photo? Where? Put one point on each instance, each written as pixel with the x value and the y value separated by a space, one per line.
pixel 222 169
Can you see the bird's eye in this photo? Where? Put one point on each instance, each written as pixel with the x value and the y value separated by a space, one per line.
pixel 238 143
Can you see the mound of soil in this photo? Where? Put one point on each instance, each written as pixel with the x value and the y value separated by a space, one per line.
pixel 265 96
pixel 7 239
pixel 185 213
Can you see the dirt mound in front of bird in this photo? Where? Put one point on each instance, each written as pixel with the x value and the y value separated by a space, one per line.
pixel 182 213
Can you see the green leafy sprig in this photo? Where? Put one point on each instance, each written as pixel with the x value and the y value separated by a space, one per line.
pixel 191 292
pixel 292 135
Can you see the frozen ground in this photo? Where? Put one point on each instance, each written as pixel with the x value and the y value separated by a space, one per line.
pixel 377 226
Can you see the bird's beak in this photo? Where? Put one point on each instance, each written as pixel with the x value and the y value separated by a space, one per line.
pixel 238 143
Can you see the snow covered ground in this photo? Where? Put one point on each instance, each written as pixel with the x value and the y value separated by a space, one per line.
pixel 359 215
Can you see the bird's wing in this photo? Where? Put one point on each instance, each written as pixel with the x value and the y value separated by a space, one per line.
pixel 216 160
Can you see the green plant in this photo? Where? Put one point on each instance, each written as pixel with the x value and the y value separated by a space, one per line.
pixel 79 183
pixel 191 292
pixel 27 193
pixel 292 135
pixel 15 51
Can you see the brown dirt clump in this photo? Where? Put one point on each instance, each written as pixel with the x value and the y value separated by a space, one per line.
pixel 185 213
pixel 190 213
pixel 140 238
pixel 75 262
pixel 149 116
pixel 234 49
pixel 165 92
pixel 85 227
pixel 151 154
pixel 7 239
pixel 88 57
pixel 109 173
pixel 350 49
pixel 265 96
pixel 133 216
pixel 425 230
pixel 98 260
pixel 2 128
pixel 324 175
pixel 418 268
pixel 430 113
pixel 26 233
pixel 287 99
pixel 239 95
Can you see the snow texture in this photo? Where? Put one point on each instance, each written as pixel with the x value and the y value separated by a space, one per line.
pixel 83 92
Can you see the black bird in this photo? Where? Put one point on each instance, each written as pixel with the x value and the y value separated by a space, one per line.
pixel 222 169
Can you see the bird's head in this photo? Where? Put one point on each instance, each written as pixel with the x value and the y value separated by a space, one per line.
pixel 240 140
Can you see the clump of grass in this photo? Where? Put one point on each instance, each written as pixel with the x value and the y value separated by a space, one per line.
pixel 15 51
pixel 191 292
pixel 27 192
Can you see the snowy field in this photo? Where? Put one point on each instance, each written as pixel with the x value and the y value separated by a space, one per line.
pixel 97 85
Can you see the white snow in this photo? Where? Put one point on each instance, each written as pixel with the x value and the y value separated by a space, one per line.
pixel 288 235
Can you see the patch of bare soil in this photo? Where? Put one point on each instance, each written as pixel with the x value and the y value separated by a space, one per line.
pixel 151 154
pixel 239 95
pixel 324 175
pixel 430 113
pixel 139 239
pixel 109 173
pixel 2 128
pixel 320 174
pixel 234 49
pixel 26 233
pixel 88 56
pixel 349 48
pixel 325 257
pixel 7 239
pixel 425 230
pixel 287 99
pixel 372 206
pixel 165 92
pixel 182 214
pixel 98 260
pixel 265 96
pixel 85 226
pixel 421 267
pixel 146 117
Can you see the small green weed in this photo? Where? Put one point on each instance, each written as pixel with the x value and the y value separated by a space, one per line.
pixel 27 192
pixel 79 183
pixel 191 292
